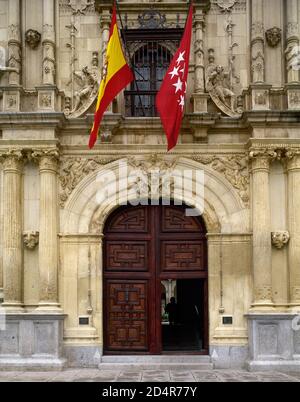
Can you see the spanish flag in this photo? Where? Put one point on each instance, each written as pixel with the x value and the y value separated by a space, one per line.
pixel 115 77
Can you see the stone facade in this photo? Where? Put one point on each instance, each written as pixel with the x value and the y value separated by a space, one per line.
pixel 241 128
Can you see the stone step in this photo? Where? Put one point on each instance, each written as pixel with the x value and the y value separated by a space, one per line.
pixel 137 363
pixel 156 366
pixel 157 359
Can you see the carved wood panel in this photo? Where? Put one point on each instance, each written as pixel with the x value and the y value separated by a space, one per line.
pixel 127 256
pixel 127 315
pixel 176 220
pixel 182 256
pixel 129 220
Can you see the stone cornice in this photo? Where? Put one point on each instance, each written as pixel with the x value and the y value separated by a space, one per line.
pixel 32 120
pixel 271 118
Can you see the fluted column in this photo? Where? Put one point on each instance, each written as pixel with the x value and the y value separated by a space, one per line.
pixel 257 43
pixel 14 42
pixel 48 240
pixel 292 38
pixel 12 229
pixel 199 51
pixel 262 248
pixel 293 169
pixel 48 43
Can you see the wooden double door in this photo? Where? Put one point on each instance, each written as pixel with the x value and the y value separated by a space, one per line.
pixel 143 246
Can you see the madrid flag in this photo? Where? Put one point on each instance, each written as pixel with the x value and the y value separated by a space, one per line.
pixel 116 76
pixel 171 96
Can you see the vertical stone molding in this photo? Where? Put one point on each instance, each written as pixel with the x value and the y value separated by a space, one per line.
pixel 292 39
pixel 257 43
pixel 199 21
pixel 48 238
pixel 14 42
pixel 48 43
pixel 12 229
pixel 262 247
pixel 293 170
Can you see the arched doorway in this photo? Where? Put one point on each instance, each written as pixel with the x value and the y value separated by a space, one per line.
pixel 146 247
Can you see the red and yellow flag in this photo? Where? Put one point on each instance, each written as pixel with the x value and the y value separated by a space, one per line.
pixel 116 76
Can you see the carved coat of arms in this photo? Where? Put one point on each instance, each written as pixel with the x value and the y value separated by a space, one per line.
pixel 79 6
pixel 225 5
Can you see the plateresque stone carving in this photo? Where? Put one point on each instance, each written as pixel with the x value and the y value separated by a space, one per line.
pixel 31 239
pixel 273 36
pixel 217 86
pixel 280 239
pixel 32 38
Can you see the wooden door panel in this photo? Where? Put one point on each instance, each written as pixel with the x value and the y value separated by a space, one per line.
pixel 130 220
pixel 174 219
pixel 127 256
pixel 127 315
pixel 182 256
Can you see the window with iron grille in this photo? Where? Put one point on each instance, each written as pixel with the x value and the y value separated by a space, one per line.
pixel 151 51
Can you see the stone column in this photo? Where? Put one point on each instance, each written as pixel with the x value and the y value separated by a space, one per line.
pixel 292 38
pixel 48 43
pixel 12 229
pixel 14 42
pixel 293 169
pixel 199 51
pixel 261 216
pixel 257 43
pixel 48 240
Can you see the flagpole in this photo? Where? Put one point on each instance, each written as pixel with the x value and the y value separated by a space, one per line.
pixel 129 57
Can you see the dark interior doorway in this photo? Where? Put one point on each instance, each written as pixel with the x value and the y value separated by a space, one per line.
pixel 186 332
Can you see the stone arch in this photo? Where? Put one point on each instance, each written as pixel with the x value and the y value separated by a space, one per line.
pixel 85 212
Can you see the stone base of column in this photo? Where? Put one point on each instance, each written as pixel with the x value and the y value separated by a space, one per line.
pixel 274 342
pixel 293 96
pixel 294 308
pixel 32 342
pixel 47 98
pixel 12 98
pixel 13 307
pixel 49 308
pixel 262 307
pixel 260 94
pixel 200 101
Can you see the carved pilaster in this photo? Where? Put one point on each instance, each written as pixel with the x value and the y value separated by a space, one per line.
pixel 293 171
pixel 48 242
pixel 257 43
pixel 262 248
pixel 292 39
pixel 199 23
pixel 14 43
pixel 48 43
pixel 12 228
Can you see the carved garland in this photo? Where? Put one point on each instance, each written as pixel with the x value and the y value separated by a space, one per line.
pixel 234 168
pixel 73 170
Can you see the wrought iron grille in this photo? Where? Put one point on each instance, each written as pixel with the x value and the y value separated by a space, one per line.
pixel 151 53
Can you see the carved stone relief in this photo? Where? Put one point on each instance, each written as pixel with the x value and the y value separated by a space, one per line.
pixel 32 38
pixel 273 36
pixel 280 239
pixel 234 168
pixel 294 99
pixel 31 239
pixel 73 170
pixel 217 85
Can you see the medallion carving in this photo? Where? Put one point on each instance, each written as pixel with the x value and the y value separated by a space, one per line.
pixel 273 36
pixel 31 240
pixel 280 239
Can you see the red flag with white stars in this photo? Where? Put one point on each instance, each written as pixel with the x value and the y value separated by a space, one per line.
pixel 170 99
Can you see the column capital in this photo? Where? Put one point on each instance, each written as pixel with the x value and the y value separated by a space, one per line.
pixel 261 158
pixel 12 160
pixel 47 159
pixel 293 159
